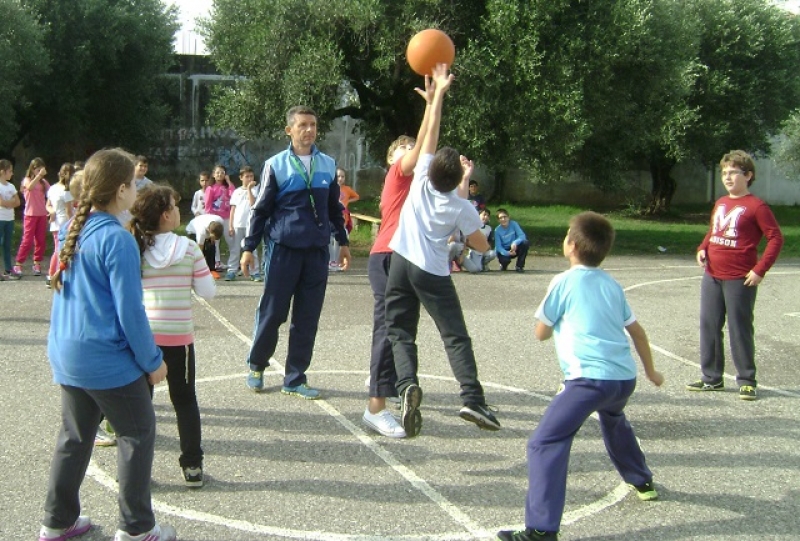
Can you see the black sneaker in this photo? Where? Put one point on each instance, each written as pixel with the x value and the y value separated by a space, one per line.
pixel 646 492
pixel 193 477
pixel 410 417
pixel 703 386
pixel 481 415
pixel 528 534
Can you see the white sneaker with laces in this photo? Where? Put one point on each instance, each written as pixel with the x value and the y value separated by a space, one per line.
pixel 384 423
pixel 160 532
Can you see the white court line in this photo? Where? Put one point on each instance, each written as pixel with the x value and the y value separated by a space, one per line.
pixel 474 530
pixel 687 362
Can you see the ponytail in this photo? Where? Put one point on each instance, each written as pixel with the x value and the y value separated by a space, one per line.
pixel 71 243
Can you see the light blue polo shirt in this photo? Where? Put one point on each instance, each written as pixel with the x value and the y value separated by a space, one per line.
pixel 588 312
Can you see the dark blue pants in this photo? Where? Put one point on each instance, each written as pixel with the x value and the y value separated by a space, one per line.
pixel 129 409
pixel 382 375
pixel 296 278
pixel 409 286
pixel 6 234
pixel 719 298
pixel 549 446
pixel 522 254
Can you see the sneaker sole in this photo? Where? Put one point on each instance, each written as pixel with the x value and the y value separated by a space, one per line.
pixel 482 422
pixel 748 398
pixel 410 417
pixel 704 389
pixel 301 395
pixel 105 444
pixel 193 484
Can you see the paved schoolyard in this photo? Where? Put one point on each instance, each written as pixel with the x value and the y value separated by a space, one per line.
pixel 282 468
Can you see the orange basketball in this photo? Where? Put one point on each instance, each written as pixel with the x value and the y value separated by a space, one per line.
pixel 428 48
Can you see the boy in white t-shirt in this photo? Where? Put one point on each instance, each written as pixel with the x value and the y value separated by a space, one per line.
pixel 420 271
pixel 9 200
pixel 242 200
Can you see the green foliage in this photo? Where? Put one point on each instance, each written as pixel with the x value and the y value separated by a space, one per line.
pixel 748 83
pixel 23 63
pixel 106 59
pixel 554 86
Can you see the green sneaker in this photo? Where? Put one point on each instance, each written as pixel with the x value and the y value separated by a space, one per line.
pixel 703 386
pixel 747 392
pixel 646 492
pixel 302 390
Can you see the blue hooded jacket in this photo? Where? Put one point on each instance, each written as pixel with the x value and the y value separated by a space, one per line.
pixel 99 335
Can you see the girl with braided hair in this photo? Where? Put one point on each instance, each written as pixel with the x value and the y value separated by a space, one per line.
pixel 173 267
pixel 103 356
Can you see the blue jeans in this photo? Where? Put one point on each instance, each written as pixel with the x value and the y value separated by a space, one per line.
pixel 6 238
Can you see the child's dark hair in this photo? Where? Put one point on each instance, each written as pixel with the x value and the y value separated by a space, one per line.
pixel 445 170
pixel 106 170
pixel 5 165
pixel 215 229
pixel 593 236
pixel 141 159
pixel 742 160
pixel 245 169
pixel 147 210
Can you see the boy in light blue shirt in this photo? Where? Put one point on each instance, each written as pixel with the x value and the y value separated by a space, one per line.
pixel 586 310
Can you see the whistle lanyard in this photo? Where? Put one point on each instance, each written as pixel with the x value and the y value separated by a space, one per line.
pixel 307 176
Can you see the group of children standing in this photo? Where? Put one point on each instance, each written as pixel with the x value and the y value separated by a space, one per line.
pixel 142 277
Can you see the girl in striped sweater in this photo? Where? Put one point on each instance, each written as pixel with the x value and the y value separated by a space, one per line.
pixel 173 266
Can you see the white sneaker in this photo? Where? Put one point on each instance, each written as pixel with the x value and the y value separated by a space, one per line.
pixel 160 532
pixel 383 423
pixel 81 526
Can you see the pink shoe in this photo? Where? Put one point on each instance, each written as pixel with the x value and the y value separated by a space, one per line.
pixel 37 269
pixel 16 271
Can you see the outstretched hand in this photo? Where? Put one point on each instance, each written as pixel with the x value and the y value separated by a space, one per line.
pixel 467 166
pixel 442 78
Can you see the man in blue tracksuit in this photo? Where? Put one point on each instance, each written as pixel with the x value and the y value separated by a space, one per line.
pixel 293 214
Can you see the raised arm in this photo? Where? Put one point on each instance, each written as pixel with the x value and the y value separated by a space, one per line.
pixel 409 160
pixel 442 78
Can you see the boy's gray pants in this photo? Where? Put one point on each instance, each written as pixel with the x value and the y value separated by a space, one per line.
pixel 719 298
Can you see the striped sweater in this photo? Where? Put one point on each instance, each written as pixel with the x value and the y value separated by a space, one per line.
pixel 171 269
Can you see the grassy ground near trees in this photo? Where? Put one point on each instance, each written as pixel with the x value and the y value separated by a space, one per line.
pixel 679 231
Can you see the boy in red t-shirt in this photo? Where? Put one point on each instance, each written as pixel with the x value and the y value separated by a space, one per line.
pixel 733 271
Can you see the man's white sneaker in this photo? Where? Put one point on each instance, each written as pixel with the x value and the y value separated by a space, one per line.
pixel 384 423
pixel 161 532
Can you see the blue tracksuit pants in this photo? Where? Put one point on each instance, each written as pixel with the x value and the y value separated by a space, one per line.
pixel 295 278
pixel 549 446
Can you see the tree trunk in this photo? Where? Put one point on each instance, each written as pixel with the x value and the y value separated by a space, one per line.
pixel 663 185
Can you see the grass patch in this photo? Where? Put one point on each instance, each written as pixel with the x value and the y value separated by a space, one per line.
pixel 680 231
